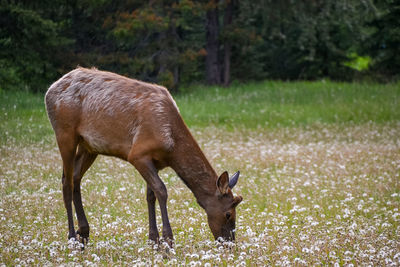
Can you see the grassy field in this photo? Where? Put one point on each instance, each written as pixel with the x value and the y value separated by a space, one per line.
pixel 320 164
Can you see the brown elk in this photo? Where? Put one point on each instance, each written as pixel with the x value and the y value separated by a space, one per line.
pixel 95 112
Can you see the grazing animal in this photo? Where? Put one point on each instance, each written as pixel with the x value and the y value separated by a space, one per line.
pixel 95 112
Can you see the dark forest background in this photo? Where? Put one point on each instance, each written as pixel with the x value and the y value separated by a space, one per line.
pixel 176 42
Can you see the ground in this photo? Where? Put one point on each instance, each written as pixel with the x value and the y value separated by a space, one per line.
pixel 324 194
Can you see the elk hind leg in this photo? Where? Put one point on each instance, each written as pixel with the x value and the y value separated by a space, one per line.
pixel 83 160
pixel 67 145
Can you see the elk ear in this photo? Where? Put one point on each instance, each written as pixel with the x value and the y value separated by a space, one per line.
pixel 234 179
pixel 236 201
pixel 223 183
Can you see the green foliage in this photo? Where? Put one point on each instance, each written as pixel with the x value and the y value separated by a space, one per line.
pixel 309 40
pixel 29 48
pixel 358 63
pixel 165 41
pixel 161 40
pixel 383 45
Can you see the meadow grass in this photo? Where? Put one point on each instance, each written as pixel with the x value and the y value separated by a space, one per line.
pixel 262 105
pixel 320 164
pixel 275 104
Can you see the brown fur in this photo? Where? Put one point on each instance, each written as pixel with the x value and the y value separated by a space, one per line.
pixel 94 112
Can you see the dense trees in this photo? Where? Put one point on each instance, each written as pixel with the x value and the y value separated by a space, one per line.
pixel 184 41
pixel 384 42
pixel 29 47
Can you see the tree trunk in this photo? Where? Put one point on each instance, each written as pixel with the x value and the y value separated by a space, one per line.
pixel 228 42
pixel 176 68
pixel 213 70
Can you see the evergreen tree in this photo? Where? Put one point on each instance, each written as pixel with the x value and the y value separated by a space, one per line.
pixel 384 43
pixel 31 47
pixel 183 41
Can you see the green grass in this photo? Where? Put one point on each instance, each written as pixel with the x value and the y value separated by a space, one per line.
pixel 23 118
pixel 273 104
pixel 261 105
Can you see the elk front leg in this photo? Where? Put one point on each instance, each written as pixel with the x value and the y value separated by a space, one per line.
pixel 150 174
pixel 151 201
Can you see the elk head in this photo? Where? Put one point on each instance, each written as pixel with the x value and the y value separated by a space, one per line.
pixel 221 214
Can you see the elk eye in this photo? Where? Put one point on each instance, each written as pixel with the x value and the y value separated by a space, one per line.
pixel 228 215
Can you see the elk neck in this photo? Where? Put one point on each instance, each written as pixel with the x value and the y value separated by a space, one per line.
pixel 191 165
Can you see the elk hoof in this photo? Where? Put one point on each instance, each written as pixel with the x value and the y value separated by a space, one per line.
pixel 71 235
pixel 154 238
pixel 82 238
pixel 168 243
